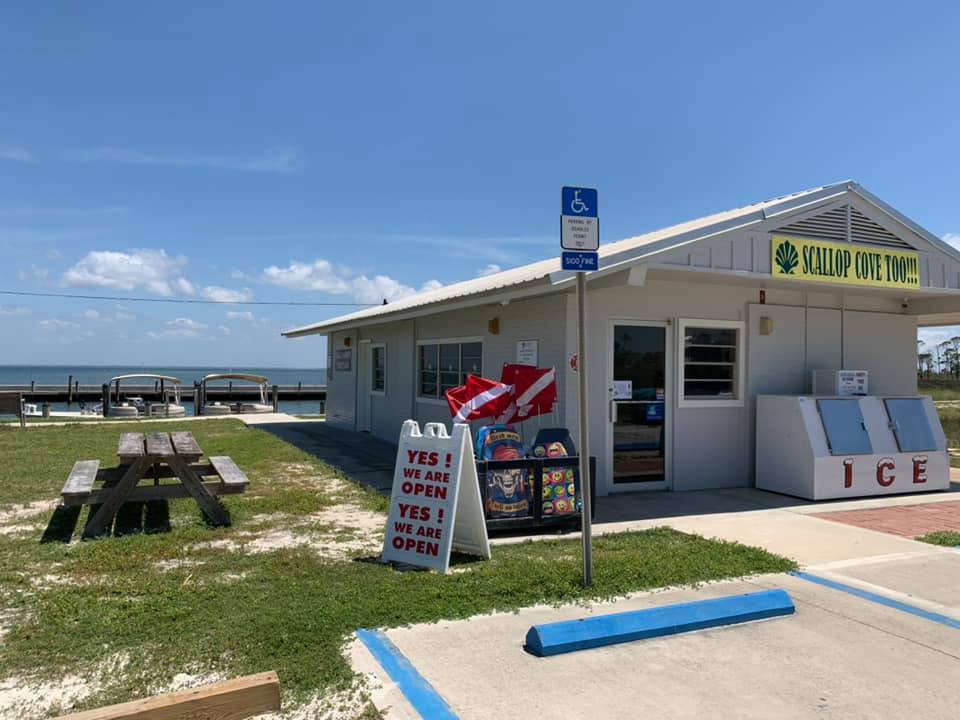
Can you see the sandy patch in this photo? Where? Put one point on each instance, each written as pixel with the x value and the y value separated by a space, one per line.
pixel 20 529
pixel 26 699
pixel 176 563
pixel 44 582
pixel 15 513
pixel 230 577
pixel 353 518
pixel 186 681
pixel 343 705
pixel 337 532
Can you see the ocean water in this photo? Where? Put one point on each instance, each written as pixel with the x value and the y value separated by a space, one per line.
pixel 99 374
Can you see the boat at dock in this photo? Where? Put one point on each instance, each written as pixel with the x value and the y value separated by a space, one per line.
pixel 219 407
pixel 134 406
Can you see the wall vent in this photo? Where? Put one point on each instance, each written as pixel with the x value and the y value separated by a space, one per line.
pixel 832 225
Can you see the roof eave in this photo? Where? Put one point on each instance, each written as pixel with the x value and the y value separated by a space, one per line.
pixel 531 288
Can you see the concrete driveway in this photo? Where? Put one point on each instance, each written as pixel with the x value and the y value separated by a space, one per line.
pixel 877 637
pixel 838 657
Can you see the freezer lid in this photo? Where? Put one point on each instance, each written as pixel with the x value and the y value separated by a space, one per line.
pixel 910 425
pixel 844 426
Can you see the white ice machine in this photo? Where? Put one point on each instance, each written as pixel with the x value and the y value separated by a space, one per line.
pixel 822 448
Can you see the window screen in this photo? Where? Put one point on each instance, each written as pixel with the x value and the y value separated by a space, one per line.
pixel 908 418
pixel 843 423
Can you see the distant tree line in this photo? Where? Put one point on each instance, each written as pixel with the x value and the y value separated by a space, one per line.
pixel 941 361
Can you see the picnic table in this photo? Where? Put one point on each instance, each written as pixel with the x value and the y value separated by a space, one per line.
pixel 156 457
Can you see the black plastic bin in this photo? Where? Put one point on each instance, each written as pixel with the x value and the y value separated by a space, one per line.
pixel 536 520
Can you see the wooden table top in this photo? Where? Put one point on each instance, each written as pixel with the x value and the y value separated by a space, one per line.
pixel 158 447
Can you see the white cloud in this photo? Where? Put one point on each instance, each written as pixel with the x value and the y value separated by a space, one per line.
pixel 120 315
pixel 226 295
pixel 491 269
pixel 952 239
pixel 152 269
pixel 932 337
pixel 15 310
pixel 91 314
pixel 179 328
pixel 184 286
pixel 57 324
pixel 281 159
pixel 54 254
pixel 377 289
pixel 34 273
pixel 224 329
pixel 240 315
pixel 15 153
pixel 322 276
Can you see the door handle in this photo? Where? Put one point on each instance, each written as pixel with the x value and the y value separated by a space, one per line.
pixel 613 411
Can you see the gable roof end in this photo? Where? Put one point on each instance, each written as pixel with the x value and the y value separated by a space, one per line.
pixel 544 276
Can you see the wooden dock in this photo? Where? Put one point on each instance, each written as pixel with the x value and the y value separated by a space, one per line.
pixel 37 393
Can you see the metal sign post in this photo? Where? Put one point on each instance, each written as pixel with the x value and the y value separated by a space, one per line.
pixel 580 239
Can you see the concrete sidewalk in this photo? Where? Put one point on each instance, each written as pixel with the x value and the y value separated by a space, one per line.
pixel 365 458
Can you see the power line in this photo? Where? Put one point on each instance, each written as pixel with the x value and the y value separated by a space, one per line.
pixel 190 301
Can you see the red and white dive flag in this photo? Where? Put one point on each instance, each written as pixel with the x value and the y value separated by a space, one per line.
pixel 534 392
pixel 479 398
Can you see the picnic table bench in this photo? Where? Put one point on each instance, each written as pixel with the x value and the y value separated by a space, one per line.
pixel 156 456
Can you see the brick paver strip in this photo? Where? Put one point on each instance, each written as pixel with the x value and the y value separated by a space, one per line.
pixel 907 520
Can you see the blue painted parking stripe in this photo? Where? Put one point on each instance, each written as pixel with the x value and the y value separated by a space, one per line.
pixel 412 684
pixel 881 600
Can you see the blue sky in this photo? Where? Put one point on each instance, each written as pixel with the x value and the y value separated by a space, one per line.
pixel 343 152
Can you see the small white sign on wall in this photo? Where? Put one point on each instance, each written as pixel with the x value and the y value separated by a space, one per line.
pixel 623 389
pixel 528 352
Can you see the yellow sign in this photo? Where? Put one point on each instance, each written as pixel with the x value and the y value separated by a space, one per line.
pixel 833 262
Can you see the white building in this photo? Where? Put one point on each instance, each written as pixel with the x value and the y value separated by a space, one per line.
pixel 692 322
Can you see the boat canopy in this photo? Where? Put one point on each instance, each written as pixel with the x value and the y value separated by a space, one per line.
pixel 145 376
pixel 258 379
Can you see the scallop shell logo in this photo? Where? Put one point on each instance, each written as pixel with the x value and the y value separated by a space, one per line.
pixel 787 258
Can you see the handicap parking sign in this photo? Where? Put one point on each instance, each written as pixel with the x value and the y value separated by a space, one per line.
pixel 579 219
pixel 579 202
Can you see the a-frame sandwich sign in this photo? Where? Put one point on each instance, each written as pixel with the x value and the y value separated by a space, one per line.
pixel 435 505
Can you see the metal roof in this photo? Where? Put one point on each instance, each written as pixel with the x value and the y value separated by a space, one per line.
pixel 547 275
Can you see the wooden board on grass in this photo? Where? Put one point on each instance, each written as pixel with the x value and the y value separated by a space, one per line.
pixel 230 700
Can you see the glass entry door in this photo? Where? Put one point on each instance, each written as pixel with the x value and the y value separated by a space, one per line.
pixel 638 404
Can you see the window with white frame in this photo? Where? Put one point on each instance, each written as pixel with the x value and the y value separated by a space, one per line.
pixel 378 369
pixel 711 367
pixel 445 365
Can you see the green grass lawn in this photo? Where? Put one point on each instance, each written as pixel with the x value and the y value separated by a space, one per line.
pixel 939 389
pixel 950 419
pixel 949 539
pixel 130 612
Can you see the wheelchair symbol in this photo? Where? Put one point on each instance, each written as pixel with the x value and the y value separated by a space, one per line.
pixel 577 205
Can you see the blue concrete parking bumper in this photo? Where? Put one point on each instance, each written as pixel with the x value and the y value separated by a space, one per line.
pixel 569 636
